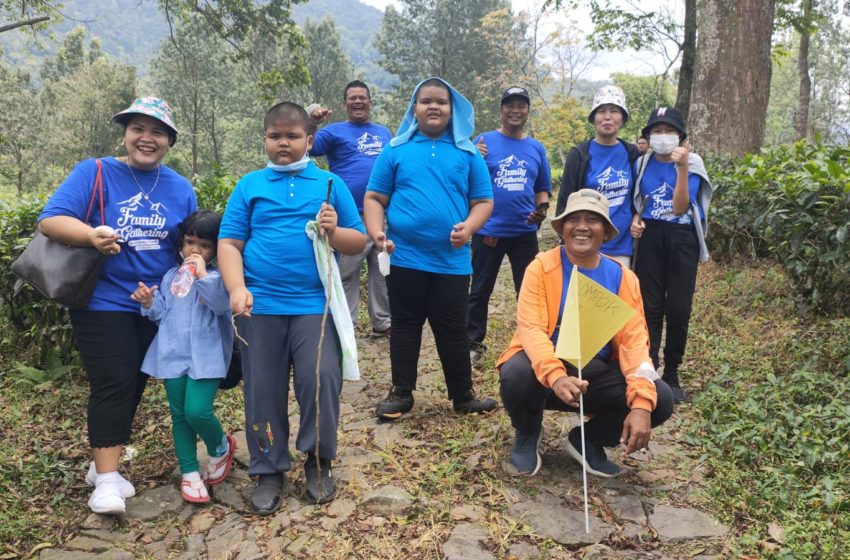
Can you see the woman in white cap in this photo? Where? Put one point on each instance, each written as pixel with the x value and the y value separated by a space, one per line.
pixel 144 203
pixel 605 163
pixel 671 230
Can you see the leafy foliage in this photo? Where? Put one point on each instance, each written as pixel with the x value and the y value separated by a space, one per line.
pixel 772 414
pixel 791 204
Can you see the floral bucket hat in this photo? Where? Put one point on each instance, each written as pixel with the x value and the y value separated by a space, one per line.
pixel 153 107
pixel 609 95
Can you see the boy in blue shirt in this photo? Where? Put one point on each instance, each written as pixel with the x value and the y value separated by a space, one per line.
pixel 352 147
pixel 266 260
pixel 521 181
pixel 434 187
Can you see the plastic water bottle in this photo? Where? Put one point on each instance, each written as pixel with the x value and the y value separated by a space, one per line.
pixel 183 280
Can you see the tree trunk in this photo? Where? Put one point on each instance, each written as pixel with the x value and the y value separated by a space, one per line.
pixel 801 116
pixel 731 76
pixel 689 49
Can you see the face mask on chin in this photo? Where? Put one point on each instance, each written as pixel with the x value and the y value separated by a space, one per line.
pixel 299 165
pixel 663 143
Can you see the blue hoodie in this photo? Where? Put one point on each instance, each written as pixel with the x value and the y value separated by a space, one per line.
pixel 430 183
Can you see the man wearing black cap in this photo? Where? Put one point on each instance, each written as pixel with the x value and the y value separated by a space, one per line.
pixel 521 180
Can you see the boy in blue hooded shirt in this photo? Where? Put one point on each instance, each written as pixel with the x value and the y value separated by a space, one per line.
pixel 434 189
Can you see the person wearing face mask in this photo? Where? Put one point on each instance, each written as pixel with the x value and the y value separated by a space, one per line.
pixel 604 164
pixel 672 231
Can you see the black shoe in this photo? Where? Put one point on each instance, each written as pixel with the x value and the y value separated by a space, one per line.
pixel 267 495
pixel 468 404
pixel 398 402
pixel 597 462
pixel 671 378
pixel 321 486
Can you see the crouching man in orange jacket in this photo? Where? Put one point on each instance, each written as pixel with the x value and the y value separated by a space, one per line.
pixel 622 391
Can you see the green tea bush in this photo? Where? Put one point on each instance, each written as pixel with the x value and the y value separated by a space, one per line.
pixel 33 327
pixel 791 204
pixel 771 414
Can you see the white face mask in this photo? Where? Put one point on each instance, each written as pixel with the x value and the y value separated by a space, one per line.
pixel 663 143
pixel 299 165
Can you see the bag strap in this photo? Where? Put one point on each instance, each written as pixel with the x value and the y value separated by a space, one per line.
pixel 97 188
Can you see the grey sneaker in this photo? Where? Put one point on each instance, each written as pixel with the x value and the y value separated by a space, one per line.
pixel 597 462
pixel 525 456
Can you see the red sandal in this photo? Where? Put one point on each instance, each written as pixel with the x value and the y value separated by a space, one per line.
pixel 194 491
pixel 218 468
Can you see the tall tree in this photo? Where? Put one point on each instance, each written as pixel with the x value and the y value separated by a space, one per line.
pixel 80 95
pixel 732 76
pixel 454 40
pixel 193 71
pixel 628 23
pixel 805 27
pixel 330 68
pixel 643 94
pixel 19 136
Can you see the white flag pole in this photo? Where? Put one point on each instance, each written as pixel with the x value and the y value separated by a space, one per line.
pixel 574 277
pixel 583 455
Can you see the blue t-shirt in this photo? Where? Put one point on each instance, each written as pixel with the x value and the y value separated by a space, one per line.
pixel 269 211
pixel 147 226
pixel 518 170
pixel 430 183
pixel 352 149
pixel 659 182
pixel 609 173
pixel 608 274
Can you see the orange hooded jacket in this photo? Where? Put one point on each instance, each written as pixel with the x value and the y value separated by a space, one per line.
pixel 537 316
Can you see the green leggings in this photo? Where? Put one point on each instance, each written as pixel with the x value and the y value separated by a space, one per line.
pixel 192 415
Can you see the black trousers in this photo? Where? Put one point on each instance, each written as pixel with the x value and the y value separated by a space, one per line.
pixel 442 299
pixel 112 345
pixel 667 262
pixel 525 399
pixel 486 261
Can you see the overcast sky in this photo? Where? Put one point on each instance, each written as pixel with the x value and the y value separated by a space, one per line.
pixel 605 62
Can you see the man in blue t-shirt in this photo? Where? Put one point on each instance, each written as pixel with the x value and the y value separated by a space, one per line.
pixel 521 181
pixel 352 147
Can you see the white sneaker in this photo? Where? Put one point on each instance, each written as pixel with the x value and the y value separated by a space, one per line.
pixel 127 488
pixel 107 498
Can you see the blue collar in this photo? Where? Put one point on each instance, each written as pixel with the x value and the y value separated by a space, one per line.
pixel 310 172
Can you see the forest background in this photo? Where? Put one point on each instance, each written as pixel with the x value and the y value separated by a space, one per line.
pixel 767 95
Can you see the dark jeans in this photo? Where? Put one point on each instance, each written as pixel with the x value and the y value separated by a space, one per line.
pixel 666 266
pixel 486 262
pixel 415 296
pixel 525 399
pixel 112 345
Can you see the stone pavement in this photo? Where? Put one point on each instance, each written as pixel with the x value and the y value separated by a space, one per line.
pixel 389 503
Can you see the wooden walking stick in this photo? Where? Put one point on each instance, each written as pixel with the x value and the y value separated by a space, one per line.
pixel 328 288
pixel 637 239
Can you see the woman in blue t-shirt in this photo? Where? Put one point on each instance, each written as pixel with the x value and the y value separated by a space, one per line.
pixel 144 202
pixel 674 191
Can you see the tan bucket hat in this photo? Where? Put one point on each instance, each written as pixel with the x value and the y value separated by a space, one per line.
pixel 585 199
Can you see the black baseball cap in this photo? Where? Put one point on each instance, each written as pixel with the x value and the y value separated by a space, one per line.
pixel 666 115
pixel 515 91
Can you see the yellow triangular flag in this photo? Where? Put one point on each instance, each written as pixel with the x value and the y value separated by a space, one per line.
pixel 592 316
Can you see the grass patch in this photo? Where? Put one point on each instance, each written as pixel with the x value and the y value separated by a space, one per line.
pixel 771 413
